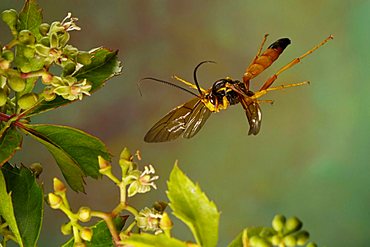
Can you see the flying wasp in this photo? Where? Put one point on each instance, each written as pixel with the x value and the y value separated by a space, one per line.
pixel 186 120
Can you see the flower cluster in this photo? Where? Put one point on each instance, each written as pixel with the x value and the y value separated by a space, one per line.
pixel 31 55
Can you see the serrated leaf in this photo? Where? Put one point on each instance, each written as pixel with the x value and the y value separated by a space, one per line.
pixel 192 206
pixel 101 236
pixel 75 151
pixel 150 240
pixel 30 18
pixel 104 65
pixel 27 199
pixel 10 142
pixel 6 209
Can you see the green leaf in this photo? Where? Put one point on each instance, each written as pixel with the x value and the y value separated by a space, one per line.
pixel 150 240
pixel 10 142
pixel 75 151
pixel 104 65
pixel 192 206
pixel 101 235
pixel 6 209
pixel 30 18
pixel 27 199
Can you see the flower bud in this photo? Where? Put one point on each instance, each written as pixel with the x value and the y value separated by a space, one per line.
pixel 278 222
pixel 103 164
pixel 84 214
pixel 66 229
pixel 125 154
pixel 256 241
pixel 292 224
pixel 84 58
pixel 3 97
pixel 27 100
pixel 16 83
pixel 165 223
pixel 8 55
pixel 275 240
pixel 55 201
pixel 26 37
pixel 45 41
pixel 68 68
pixel 290 241
pixel 29 52
pixel 86 234
pixel 302 237
pixel 44 28
pixel 311 244
pixel 59 186
pixel 36 168
pixel 10 17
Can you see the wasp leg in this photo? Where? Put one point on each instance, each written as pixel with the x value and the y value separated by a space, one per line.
pixel 295 61
pixel 188 83
pixel 256 57
pixel 264 91
pixel 269 101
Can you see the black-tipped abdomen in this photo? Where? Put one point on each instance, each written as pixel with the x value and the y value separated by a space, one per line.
pixel 280 43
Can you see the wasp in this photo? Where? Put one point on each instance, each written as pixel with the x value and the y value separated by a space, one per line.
pixel 186 120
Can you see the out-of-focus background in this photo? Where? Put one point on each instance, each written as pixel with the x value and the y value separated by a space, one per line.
pixel 311 158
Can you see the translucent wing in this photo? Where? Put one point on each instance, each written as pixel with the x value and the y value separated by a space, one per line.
pixel 254 115
pixel 185 120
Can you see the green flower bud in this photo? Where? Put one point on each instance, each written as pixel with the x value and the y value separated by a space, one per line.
pixel 55 201
pixel 3 97
pixel 292 224
pixel 45 41
pixel 25 67
pixel 84 58
pixel 302 237
pixel 84 214
pixel 63 39
pixel 165 223
pixel 29 52
pixel 278 222
pixel 10 17
pixel 26 37
pixel 17 84
pixel 59 187
pixel 290 241
pixel 275 240
pixel 66 229
pixel 125 155
pixel 256 241
pixel 86 234
pixel 311 244
pixel 8 55
pixel 44 28
pixel 36 168
pixel 27 100
pixel 42 50
pixel 55 27
pixel 70 51
pixel 68 68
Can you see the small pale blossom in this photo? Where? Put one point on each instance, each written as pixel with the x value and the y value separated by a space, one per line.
pixel 142 181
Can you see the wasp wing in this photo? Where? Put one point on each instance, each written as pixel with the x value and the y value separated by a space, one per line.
pixel 186 119
pixel 254 115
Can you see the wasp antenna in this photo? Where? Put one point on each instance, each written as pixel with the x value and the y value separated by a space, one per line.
pixel 138 88
pixel 195 74
pixel 170 84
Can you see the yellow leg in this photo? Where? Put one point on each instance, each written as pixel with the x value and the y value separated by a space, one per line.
pixel 188 83
pixel 264 91
pixel 295 61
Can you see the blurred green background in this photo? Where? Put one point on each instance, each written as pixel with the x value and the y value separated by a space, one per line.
pixel 312 156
